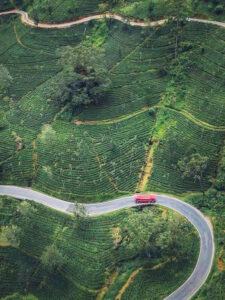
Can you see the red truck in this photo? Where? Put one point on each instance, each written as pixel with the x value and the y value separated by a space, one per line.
pixel 145 199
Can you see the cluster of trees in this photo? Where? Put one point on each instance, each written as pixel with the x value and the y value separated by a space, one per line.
pixel 215 196
pixel 148 234
pixel 84 78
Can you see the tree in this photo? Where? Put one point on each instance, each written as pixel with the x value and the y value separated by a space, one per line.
pixel 193 166
pixel 11 235
pixel 139 234
pixel 171 241
pixel 5 79
pixel 80 215
pixel 147 234
pixel 177 11
pixel 84 76
pixel 26 210
pixel 52 259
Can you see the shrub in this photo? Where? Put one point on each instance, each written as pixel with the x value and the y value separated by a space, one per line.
pixel 219 9
pixel 151 111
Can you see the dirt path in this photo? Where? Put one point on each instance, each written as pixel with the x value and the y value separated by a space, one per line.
pixel 199 122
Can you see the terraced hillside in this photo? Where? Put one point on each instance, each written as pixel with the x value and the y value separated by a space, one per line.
pixel 131 142
pixel 91 250
pixel 107 143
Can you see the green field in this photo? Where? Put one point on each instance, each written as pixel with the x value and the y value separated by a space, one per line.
pixel 94 152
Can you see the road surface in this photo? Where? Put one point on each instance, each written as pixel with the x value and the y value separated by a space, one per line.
pixel 206 255
pixel 28 21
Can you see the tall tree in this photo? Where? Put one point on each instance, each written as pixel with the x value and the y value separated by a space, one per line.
pixel 85 77
pixel 51 258
pixel 194 166
pixel 140 234
pixel 177 11
pixel 11 235
pixel 26 210
pixel 149 234
pixel 80 215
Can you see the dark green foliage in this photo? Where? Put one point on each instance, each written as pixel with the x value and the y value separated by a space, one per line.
pixel 84 79
pixel 52 259
pixel 193 166
pixel 160 237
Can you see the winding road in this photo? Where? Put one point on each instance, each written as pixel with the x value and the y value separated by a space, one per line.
pixel 206 255
pixel 28 21
pixel 207 249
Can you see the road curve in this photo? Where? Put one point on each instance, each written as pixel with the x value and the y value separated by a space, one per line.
pixel 28 21
pixel 207 249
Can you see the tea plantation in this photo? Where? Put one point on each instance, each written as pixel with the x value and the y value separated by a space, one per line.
pixel 89 250
pixel 133 141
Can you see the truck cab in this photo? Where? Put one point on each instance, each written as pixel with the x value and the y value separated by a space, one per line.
pixel 145 198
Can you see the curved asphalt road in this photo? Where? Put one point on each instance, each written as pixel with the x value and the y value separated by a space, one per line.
pixel 206 255
pixel 26 19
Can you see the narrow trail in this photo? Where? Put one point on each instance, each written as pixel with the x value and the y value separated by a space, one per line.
pixel 197 121
pixel 126 285
pixel 128 116
pixel 111 121
pixel 132 22
pixel 147 168
pixel 133 274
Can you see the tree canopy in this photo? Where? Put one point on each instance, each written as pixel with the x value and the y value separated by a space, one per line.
pixel 178 9
pixel 51 258
pixel 26 209
pixel 149 234
pixel 84 75
pixel 193 166
pixel 11 235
